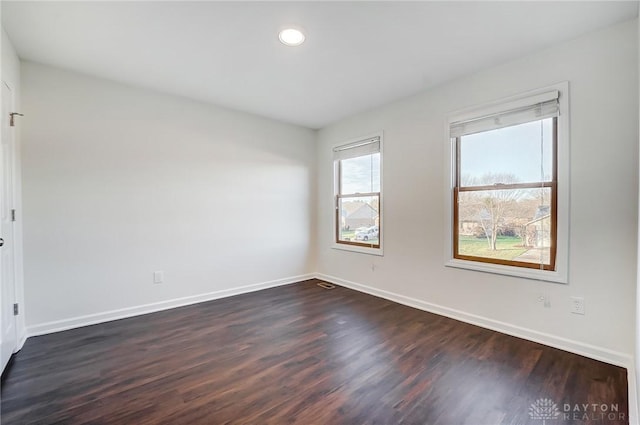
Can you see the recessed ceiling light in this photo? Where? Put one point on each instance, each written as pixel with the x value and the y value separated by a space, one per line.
pixel 291 37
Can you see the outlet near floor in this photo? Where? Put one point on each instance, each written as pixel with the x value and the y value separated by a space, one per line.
pixel 577 305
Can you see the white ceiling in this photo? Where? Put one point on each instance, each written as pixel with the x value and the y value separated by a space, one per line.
pixel 358 55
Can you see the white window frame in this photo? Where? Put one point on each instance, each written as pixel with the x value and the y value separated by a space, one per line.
pixel 354 248
pixel 561 272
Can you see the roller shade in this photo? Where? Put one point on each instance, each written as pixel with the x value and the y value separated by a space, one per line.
pixel 538 107
pixel 356 149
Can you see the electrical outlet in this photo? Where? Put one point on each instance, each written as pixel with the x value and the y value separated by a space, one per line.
pixel 577 305
pixel 158 277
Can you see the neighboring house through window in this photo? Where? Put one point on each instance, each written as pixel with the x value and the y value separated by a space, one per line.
pixel 509 186
pixel 358 224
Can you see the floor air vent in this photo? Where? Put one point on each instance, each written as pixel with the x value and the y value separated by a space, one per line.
pixel 326 285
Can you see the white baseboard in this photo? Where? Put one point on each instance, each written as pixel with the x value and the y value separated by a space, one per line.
pixel 21 340
pixel 576 347
pixel 107 316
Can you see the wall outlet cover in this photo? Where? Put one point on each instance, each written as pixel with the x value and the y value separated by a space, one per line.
pixel 577 305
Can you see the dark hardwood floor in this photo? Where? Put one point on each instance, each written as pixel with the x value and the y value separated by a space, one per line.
pixel 301 354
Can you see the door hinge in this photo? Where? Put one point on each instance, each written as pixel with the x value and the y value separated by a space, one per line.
pixel 15 309
pixel 13 215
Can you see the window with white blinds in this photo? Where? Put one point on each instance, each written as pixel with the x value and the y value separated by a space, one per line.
pixel 358 194
pixel 505 182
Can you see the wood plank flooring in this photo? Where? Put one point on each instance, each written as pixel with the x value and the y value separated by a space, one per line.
pixel 301 354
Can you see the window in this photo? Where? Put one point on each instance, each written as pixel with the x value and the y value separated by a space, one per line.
pixel 506 210
pixel 357 195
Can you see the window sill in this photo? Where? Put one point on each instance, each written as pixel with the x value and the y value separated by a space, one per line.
pixel 360 249
pixel 549 276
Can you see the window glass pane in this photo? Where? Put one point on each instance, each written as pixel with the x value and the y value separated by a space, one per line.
pixel 359 219
pixel 513 225
pixel 360 175
pixel 518 154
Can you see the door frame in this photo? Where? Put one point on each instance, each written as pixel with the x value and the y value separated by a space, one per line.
pixel 16 228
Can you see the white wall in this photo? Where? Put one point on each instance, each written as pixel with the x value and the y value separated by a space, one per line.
pixel 602 69
pixel 120 182
pixel 637 321
pixel 11 75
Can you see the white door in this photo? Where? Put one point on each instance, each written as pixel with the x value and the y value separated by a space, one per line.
pixel 8 333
